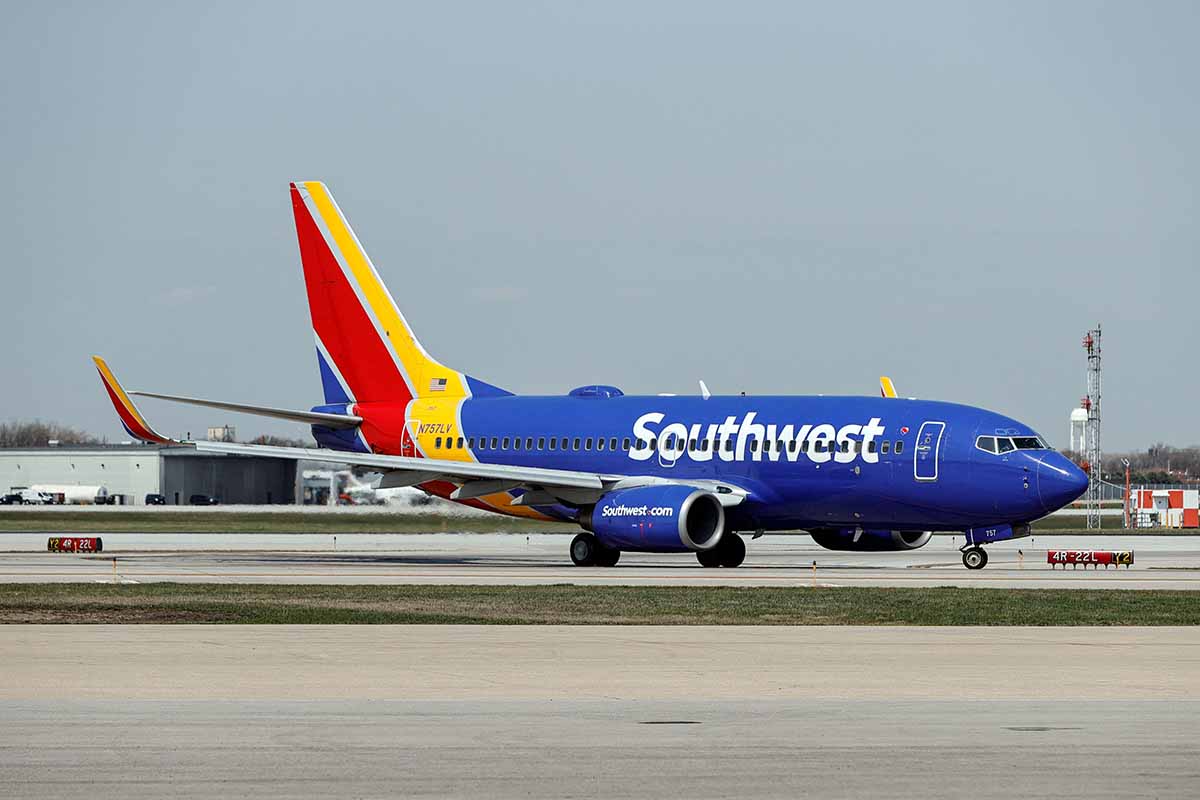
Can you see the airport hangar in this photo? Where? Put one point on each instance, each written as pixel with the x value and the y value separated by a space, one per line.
pixel 135 470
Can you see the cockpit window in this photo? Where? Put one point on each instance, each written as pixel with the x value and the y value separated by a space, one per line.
pixel 1006 444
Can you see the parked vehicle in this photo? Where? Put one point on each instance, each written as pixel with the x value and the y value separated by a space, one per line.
pixel 203 500
pixel 29 497
pixel 156 500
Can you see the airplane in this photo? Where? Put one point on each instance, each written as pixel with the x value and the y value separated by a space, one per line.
pixel 664 474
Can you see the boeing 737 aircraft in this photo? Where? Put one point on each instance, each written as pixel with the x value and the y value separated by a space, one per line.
pixel 658 474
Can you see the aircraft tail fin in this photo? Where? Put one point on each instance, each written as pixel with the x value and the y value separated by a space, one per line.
pixel 365 348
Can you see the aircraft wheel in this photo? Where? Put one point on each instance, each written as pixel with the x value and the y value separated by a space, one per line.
pixel 732 551
pixel 607 557
pixel 975 558
pixel 583 550
pixel 709 558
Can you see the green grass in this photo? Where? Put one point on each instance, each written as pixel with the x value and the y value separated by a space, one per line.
pixel 121 521
pixel 588 605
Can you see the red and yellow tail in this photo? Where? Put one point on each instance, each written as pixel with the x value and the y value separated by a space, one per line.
pixel 365 348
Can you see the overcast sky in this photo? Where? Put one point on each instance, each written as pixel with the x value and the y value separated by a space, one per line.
pixel 777 198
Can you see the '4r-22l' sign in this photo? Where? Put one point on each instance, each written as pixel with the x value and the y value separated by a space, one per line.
pixel 1093 557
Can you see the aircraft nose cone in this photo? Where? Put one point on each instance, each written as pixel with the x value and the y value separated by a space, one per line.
pixel 1059 482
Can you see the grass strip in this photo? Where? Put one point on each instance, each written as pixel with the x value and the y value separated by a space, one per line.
pixel 118 521
pixel 588 605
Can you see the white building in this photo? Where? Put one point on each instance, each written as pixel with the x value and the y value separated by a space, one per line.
pixel 134 471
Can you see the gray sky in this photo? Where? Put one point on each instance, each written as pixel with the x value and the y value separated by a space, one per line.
pixel 780 198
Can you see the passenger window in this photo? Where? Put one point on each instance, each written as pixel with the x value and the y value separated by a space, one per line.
pixel 804 446
pixel 849 446
pixel 792 446
pixel 516 443
pixel 729 445
pixel 460 443
pixel 653 445
pixel 885 446
pixel 528 442
pixel 505 445
pixel 692 445
pixel 612 443
pixel 495 442
pixel 871 446
pixel 576 443
pixel 553 442
pixel 625 443
pixel 1004 444
pixel 471 442
pixel 587 443
pixel 754 445
pixel 899 448
pixel 437 443
pixel 541 443
pixel 599 444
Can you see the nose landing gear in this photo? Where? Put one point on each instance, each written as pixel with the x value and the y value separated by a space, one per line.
pixel 974 557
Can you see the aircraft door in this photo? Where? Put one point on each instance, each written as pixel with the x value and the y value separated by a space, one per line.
pixel 926 454
pixel 408 447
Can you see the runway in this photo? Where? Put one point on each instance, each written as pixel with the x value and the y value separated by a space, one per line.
pixel 1161 562
pixel 498 711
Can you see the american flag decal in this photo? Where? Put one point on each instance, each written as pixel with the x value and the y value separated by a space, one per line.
pixel 437 385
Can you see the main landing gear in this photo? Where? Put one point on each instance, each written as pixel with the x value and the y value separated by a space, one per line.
pixel 587 552
pixel 974 557
pixel 730 552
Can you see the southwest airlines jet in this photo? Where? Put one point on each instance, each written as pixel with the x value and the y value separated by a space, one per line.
pixel 660 474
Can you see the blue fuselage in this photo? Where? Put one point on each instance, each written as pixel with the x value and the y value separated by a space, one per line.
pixel 804 462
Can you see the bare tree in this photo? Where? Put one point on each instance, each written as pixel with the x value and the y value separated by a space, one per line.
pixel 25 433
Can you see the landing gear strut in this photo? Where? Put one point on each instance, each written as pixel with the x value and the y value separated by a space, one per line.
pixel 974 558
pixel 730 552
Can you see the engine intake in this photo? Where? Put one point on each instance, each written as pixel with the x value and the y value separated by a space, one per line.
pixel 657 519
pixel 867 540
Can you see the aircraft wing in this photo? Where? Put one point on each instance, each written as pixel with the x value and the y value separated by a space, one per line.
pixel 475 478
pixel 424 468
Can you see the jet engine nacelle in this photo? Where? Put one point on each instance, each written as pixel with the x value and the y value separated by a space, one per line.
pixel 870 540
pixel 657 519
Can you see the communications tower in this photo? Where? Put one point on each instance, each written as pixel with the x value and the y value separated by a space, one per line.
pixel 1091 404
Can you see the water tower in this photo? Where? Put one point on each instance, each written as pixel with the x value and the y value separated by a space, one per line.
pixel 1078 437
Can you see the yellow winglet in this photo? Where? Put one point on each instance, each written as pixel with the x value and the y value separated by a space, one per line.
pixel 131 419
pixel 886 387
